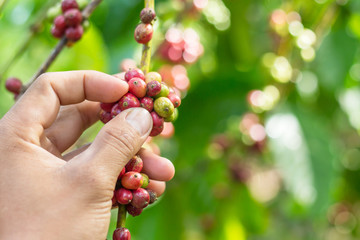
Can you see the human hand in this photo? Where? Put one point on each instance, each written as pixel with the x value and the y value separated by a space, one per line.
pixel 44 195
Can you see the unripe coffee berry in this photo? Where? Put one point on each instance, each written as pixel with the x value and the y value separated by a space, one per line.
pixel 153 76
pixel 134 165
pixel 147 103
pixel 121 234
pixel 141 198
pixel 173 116
pixel 137 86
pixel 153 88
pixel 147 15
pixel 164 91
pixel 134 73
pixel 143 33
pixel 133 211
pixel 13 85
pixel 123 196
pixel 68 4
pixel 132 180
pixel 73 17
pixel 128 101
pixel 74 33
pixel 164 107
pixel 146 180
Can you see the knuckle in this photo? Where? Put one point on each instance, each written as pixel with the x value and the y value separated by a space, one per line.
pixel 123 141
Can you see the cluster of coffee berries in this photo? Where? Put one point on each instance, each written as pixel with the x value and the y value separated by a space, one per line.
pixel 131 191
pixel 68 23
pixel 181 46
pixel 147 91
pixel 13 85
pixel 144 31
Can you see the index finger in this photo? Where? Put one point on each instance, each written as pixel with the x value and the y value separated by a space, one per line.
pixel 41 102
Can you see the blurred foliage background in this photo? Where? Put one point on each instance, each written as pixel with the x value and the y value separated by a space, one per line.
pixel 267 142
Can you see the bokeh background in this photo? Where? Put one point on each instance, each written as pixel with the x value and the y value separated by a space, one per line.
pixel 266 145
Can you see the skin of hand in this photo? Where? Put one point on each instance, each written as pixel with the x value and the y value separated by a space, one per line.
pixel 45 195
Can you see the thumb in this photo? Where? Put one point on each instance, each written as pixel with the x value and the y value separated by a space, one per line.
pixel 117 142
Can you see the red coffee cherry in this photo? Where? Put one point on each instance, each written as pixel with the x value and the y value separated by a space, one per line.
pixel 68 4
pixel 13 85
pixel 153 196
pixel 132 180
pixel 153 88
pixel 147 103
pixel 158 124
pixel 175 99
pixel 115 110
pixel 59 22
pixel 141 198
pixel 107 106
pixel 57 33
pixel 128 101
pixel 137 86
pixel 143 33
pixel 121 174
pixel 74 33
pixel 123 196
pixel 133 211
pixel 134 165
pixel 121 234
pixel 132 73
pixel 73 17
pixel 104 116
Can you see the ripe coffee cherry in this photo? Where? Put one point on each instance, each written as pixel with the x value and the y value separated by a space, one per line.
pixel 73 17
pixel 121 234
pixel 59 23
pixel 133 211
pixel 57 33
pixel 74 33
pixel 132 180
pixel 175 99
pixel 115 110
pixel 134 73
pixel 104 116
pixel 164 91
pixel 113 200
pixel 134 165
pixel 158 124
pixel 137 86
pixel 147 103
pixel 141 198
pixel 68 4
pixel 143 33
pixel 153 196
pixel 107 106
pixel 13 85
pixel 128 101
pixel 147 15
pixel 123 196
pixel 153 76
pixel 164 107
pixel 121 174
pixel 146 180
pixel 153 88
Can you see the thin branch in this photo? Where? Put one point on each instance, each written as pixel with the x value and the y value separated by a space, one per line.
pixel 146 52
pixel 88 10
pixel 121 219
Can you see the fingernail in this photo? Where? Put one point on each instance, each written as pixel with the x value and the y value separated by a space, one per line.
pixel 139 119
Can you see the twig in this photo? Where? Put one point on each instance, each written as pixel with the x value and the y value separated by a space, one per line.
pixel 88 10
pixel 146 52
pixel 121 219
pixel 34 29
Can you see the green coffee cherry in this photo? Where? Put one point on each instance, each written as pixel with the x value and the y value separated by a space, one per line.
pixel 173 116
pixel 146 180
pixel 164 107
pixel 53 12
pixel 164 91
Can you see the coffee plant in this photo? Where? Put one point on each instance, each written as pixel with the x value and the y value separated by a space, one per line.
pixel 266 143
